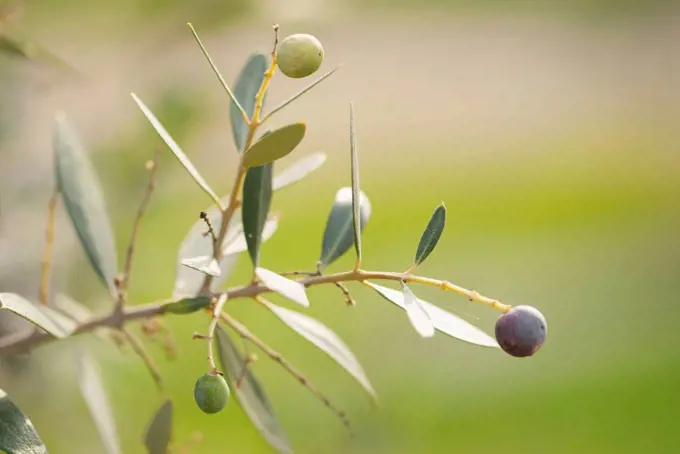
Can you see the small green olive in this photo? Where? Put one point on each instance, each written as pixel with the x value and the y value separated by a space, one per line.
pixel 299 55
pixel 211 392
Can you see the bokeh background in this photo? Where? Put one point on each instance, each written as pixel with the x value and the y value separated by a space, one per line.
pixel 550 129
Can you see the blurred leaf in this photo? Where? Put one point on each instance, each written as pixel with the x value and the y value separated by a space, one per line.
pixel 250 394
pixel 257 197
pixel 275 145
pixel 15 46
pixel 417 315
pixel 247 85
pixel 205 264
pixel 300 93
pixel 83 197
pixel 443 321
pixel 97 402
pixel 288 288
pixel 33 313
pixel 431 235
pixel 239 244
pixel 72 308
pixel 325 339
pixel 17 434
pixel 159 432
pixel 298 170
pixel 67 324
pixel 338 236
pixel 355 182
pixel 187 305
pixel 176 150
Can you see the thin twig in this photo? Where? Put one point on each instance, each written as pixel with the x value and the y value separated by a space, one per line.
pixel 124 281
pixel 49 241
pixel 148 361
pixel 217 311
pixel 345 291
pixel 275 356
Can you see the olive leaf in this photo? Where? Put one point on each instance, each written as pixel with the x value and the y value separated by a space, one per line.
pixel 176 150
pixel 257 197
pixel 288 288
pixel 418 316
pixel 239 243
pixel 433 231
pixel 67 324
pixel 72 308
pixel 83 198
pixel 206 264
pixel 338 235
pixel 247 85
pixel 17 434
pixel 97 402
pixel 442 320
pixel 250 394
pixel 33 313
pixel 298 170
pixel 275 145
pixel 325 339
pixel 355 183
pixel 187 305
pixel 158 434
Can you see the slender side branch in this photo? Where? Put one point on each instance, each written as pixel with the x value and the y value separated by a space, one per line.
pixel 21 342
pixel 217 311
pixel 49 241
pixel 148 361
pixel 275 356
pixel 124 281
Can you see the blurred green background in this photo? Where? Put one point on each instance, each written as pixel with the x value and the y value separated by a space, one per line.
pixel 549 129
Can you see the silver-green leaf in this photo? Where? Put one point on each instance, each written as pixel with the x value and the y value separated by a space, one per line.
pixel 442 320
pixel 430 238
pixel 33 313
pixel 298 170
pixel 417 315
pixel 247 85
pixel 257 197
pixel 356 217
pixel 326 340
pixel 83 198
pixel 204 263
pixel 159 431
pixel 288 288
pixel 275 145
pixel 97 402
pixel 176 150
pixel 17 434
pixel 338 235
pixel 250 394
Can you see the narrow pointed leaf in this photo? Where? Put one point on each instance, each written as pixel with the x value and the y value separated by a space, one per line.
pixel 83 198
pixel 239 243
pixel 247 85
pixel 355 183
pixel 288 288
pixel 159 432
pixel 67 325
pixel 17 434
pixel 325 339
pixel 176 150
pixel 442 320
pixel 300 93
pixel 72 308
pixel 275 145
pixel 418 316
pixel 338 236
pixel 187 305
pixel 431 235
pixel 257 197
pixel 33 313
pixel 298 170
pixel 97 402
pixel 250 395
pixel 205 264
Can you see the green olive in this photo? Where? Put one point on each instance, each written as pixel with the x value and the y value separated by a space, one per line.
pixel 211 392
pixel 299 55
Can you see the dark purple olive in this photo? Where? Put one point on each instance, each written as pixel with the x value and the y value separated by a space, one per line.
pixel 521 331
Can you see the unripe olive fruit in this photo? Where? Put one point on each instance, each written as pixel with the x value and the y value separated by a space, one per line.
pixel 211 392
pixel 521 331
pixel 299 55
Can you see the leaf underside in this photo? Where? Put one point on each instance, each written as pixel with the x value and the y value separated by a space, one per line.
pixel 34 314
pixel 275 145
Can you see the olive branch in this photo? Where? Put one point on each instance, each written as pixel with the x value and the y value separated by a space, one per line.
pixel 207 257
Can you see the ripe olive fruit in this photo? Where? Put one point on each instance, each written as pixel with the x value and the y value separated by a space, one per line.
pixel 521 331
